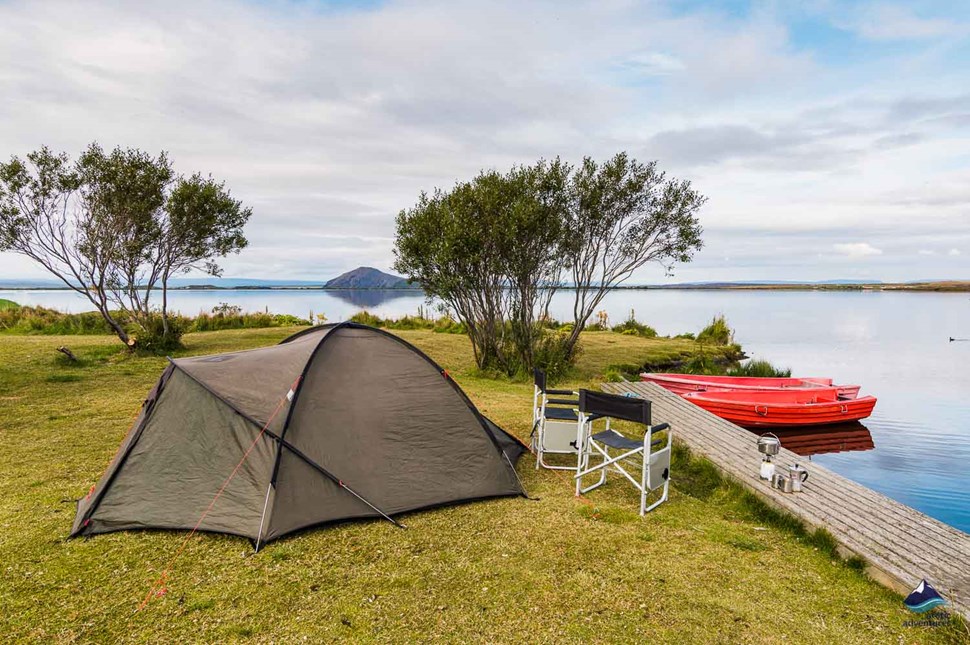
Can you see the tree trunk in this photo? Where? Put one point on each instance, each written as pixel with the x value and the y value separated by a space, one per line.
pixel 118 329
pixel 165 306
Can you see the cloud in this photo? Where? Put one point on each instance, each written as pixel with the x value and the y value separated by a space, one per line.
pixel 856 249
pixel 889 22
pixel 653 64
pixel 926 252
pixel 329 119
pixel 953 252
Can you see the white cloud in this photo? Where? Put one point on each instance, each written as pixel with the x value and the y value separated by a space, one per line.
pixel 857 249
pixel 329 121
pixel 926 252
pixel 654 64
pixel 953 252
pixel 880 21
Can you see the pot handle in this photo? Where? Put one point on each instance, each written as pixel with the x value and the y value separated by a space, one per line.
pixel 805 476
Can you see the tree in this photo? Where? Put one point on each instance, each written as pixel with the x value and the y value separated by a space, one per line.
pixel 488 249
pixel 624 214
pixel 495 249
pixel 115 227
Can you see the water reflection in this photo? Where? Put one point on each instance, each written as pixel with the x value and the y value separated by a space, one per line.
pixel 841 437
pixel 372 298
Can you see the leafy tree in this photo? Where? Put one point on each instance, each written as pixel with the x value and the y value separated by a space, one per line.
pixel 486 249
pixel 624 214
pixel 115 227
pixel 496 249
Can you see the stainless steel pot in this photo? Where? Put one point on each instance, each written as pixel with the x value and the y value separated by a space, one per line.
pixel 769 444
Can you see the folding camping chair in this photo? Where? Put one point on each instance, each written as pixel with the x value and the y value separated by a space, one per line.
pixel 554 422
pixel 655 454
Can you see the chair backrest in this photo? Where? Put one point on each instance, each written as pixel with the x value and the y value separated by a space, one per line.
pixel 617 407
pixel 540 379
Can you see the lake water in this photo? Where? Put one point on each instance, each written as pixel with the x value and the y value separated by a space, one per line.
pixel 917 448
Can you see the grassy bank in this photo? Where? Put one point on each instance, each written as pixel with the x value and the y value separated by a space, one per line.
pixel 711 565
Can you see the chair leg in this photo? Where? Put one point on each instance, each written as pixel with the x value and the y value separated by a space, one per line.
pixel 644 478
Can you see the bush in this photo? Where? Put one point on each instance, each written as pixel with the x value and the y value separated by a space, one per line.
pixel 151 337
pixel 717 333
pixel 41 320
pixel 446 325
pixel 551 354
pixel 443 325
pixel 601 322
pixel 631 327
pixel 366 318
pixel 289 320
pixel 758 368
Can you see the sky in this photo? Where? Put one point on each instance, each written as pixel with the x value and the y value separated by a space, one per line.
pixel 832 138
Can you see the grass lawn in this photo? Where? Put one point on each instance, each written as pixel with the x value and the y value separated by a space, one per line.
pixel 708 566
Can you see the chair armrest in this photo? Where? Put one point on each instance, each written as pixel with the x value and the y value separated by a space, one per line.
pixel 567 392
pixel 572 402
pixel 659 428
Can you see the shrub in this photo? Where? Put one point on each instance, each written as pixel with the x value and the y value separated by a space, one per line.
pixel 289 320
pixel 41 320
pixel 366 318
pixel 552 355
pixel 601 322
pixel 758 368
pixel 631 327
pixel 150 336
pixel 447 325
pixel 717 333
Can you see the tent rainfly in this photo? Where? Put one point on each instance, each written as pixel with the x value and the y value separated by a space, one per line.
pixel 337 422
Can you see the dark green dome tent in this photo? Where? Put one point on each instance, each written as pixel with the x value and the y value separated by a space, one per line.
pixel 336 422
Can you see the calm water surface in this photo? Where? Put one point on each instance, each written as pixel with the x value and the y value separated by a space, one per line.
pixel 894 344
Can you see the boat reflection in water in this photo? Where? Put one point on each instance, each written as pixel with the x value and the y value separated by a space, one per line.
pixel 817 440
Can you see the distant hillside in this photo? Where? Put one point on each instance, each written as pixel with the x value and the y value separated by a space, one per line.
pixel 368 278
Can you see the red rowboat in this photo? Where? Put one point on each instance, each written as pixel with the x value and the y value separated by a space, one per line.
pixel 686 383
pixel 793 407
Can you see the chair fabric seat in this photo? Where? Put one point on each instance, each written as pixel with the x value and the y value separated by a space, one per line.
pixel 562 414
pixel 614 439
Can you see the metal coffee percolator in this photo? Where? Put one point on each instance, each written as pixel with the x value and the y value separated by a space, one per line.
pixel 797 475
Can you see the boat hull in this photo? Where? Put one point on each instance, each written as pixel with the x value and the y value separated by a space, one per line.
pixel 777 409
pixel 687 383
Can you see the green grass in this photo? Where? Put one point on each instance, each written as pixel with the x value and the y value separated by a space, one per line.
pixel 7 304
pixel 712 565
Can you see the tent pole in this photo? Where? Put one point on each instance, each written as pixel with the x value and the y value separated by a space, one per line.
pixel 383 514
pixel 259 536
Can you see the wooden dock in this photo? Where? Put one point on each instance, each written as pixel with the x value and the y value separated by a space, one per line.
pixel 900 545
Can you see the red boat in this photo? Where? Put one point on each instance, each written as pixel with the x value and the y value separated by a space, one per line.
pixel 686 383
pixel 793 407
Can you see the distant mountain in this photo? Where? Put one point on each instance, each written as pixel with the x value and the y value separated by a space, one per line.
pixel 368 278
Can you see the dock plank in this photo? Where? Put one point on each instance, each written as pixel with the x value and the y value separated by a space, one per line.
pixel 900 545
